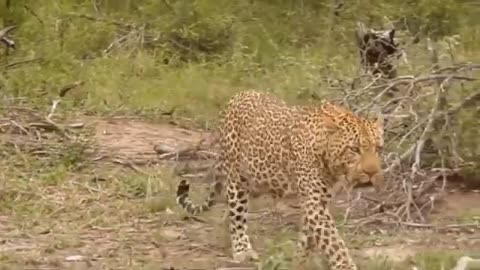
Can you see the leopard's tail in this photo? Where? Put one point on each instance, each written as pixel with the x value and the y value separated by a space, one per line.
pixel 188 205
pixel 215 189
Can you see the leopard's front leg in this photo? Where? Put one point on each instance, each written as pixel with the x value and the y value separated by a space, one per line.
pixel 319 231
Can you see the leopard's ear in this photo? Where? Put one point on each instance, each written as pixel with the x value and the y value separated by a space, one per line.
pixel 330 125
pixel 379 120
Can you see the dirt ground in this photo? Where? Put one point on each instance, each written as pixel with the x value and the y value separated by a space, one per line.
pixel 124 236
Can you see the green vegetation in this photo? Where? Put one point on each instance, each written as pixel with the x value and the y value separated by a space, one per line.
pixel 140 56
pixel 147 57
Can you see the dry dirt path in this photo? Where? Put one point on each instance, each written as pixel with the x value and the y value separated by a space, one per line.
pixel 105 225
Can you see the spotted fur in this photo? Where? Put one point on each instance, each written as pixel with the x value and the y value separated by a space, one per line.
pixel 270 147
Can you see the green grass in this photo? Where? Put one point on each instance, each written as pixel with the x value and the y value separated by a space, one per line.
pixel 54 211
pixel 289 57
pixel 205 51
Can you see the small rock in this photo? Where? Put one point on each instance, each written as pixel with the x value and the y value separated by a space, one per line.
pixel 75 258
pixel 77 262
pixel 171 235
pixel 467 263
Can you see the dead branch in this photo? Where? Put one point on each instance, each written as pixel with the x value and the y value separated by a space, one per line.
pixel 27 131
pixel 65 89
pixel 23 62
pixel 34 14
pixel 468 102
pixel 420 114
pixel 100 19
pixel 5 39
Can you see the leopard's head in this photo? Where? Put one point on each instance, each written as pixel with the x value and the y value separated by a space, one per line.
pixel 354 146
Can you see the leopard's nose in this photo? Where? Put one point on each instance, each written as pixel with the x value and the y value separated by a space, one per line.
pixel 370 169
pixel 369 173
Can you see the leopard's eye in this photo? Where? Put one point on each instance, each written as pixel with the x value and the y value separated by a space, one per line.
pixel 355 149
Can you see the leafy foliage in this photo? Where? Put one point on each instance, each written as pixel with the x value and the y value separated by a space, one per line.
pixel 192 55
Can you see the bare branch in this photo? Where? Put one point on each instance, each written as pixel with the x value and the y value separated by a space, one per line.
pixel 9 43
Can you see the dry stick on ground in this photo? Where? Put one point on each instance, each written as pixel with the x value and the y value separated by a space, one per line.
pixel 33 125
pixel 23 62
pixel 32 133
pixel 61 93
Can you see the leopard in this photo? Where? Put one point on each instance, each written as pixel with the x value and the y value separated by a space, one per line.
pixel 268 146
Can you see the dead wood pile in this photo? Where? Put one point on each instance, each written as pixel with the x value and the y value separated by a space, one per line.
pixel 421 130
